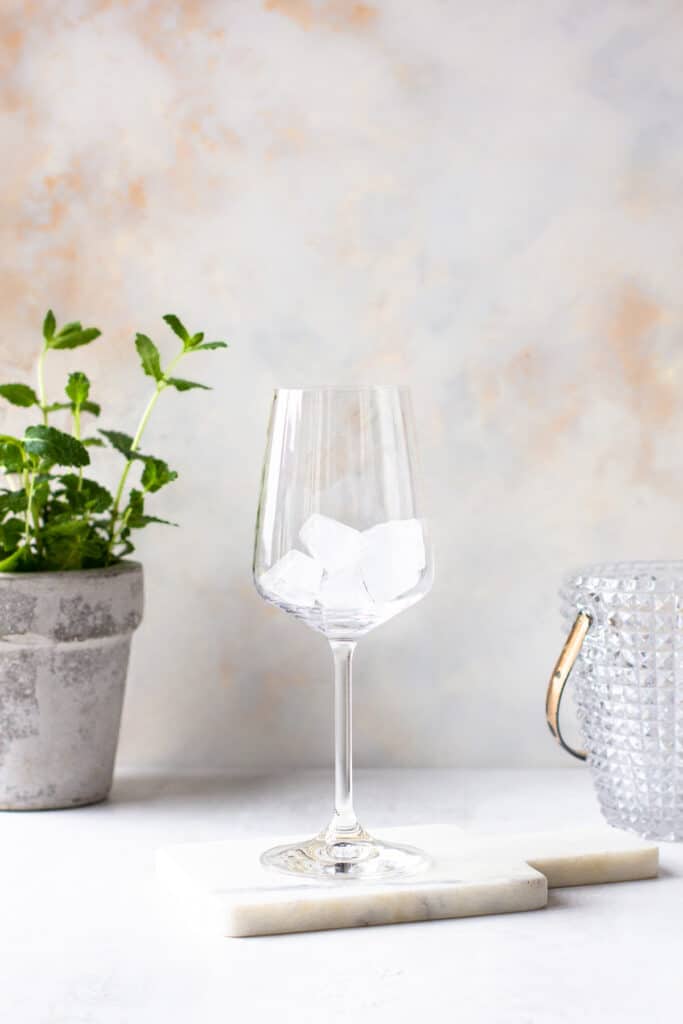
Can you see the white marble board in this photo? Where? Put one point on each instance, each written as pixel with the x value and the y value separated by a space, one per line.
pixel 223 886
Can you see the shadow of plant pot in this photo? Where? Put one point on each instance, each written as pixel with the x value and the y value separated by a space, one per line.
pixel 64 646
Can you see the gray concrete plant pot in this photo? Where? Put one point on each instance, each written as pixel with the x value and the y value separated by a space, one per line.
pixel 64 645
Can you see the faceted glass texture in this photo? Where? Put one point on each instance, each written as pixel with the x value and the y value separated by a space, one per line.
pixel 629 690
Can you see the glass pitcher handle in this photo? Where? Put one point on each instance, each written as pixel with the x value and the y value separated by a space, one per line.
pixel 558 680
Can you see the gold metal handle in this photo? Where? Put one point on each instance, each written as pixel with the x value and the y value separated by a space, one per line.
pixel 558 680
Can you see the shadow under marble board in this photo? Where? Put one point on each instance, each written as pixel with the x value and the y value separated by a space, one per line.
pixel 223 886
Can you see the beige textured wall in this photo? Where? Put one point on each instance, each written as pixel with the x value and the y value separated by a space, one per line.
pixel 482 199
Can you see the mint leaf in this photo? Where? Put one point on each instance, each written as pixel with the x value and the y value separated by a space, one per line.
pixel 9 564
pixel 126 547
pixel 19 394
pixel 209 345
pixel 41 496
pixel 49 324
pixel 122 442
pixel 75 338
pixel 55 446
pixel 85 495
pixel 12 501
pixel 75 325
pixel 178 327
pixel 78 388
pixel 91 407
pixel 93 442
pixel 65 528
pixel 142 521
pixel 97 498
pixel 149 356
pixel 11 533
pixel 68 544
pixel 136 502
pixel 11 458
pixel 185 385
pixel 136 517
pixel 156 474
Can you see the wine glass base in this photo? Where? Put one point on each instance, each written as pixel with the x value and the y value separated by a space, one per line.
pixel 358 856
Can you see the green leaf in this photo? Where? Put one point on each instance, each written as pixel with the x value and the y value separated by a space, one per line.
pixel 58 510
pixel 66 527
pixel 11 454
pixel 69 544
pixel 127 548
pixel 124 544
pixel 74 325
pixel 195 339
pixel 209 345
pixel 136 518
pixel 185 385
pixel 122 442
pixel 142 521
pixel 19 394
pixel 85 495
pixel 9 563
pixel 49 324
pixel 55 446
pixel 178 327
pixel 77 388
pixel 93 442
pixel 156 474
pixel 41 496
pixel 97 498
pixel 96 552
pixel 136 502
pixel 11 533
pixel 12 501
pixel 74 339
pixel 149 356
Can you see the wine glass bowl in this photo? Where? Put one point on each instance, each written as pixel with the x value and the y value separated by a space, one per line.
pixel 381 572
pixel 342 546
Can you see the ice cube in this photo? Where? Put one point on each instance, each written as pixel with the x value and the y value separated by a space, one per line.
pixel 293 579
pixel 344 591
pixel 392 558
pixel 335 545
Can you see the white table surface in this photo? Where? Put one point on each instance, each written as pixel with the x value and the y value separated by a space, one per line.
pixel 87 939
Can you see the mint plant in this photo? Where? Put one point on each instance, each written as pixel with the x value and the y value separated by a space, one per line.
pixel 53 516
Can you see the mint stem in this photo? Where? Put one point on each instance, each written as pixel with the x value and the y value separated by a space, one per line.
pixel 76 412
pixel 114 534
pixel 28 487
pixel 41 383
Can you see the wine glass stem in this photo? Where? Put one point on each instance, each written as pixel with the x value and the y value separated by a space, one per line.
pixel 344 823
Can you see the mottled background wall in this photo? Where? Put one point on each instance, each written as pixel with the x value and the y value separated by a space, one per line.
pixel 482 199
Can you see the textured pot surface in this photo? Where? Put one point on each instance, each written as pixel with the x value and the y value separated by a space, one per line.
pixel 64 646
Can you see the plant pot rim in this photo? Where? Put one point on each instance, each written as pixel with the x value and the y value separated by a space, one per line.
pixel 119 568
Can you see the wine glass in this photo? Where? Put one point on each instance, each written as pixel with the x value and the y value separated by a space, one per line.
pixel 340 546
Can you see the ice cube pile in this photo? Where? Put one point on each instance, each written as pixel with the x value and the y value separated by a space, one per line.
pixel 347 569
